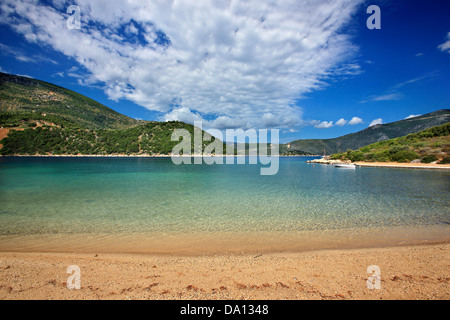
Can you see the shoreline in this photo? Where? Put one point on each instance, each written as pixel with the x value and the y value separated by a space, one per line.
pixel 225 242
pixel 407 272
pixel 404 165
pixel 383 164
pixel 129 156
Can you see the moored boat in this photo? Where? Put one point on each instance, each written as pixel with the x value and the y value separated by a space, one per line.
pixel 345 165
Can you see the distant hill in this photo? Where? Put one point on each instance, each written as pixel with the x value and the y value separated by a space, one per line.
pixel 369 135
pixel 429 145
pixel 39 118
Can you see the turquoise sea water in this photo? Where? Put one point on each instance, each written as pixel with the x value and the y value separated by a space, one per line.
pixel 119 197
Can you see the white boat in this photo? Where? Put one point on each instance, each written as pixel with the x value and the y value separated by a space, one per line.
pixel 345 165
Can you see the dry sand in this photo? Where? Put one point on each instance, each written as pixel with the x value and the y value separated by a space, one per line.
pixel 404 165
pixel 407 272
pixel 385 164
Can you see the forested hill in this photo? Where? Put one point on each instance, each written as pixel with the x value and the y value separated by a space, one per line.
pixel 430 145
pixel 152 138
pixel 369 135
pixel 39 118
pixel 41 100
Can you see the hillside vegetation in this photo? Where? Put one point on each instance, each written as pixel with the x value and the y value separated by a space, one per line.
pixel 22 97
pixel 426 146
pixel 153 138
pixel 369 135
pixel 39 118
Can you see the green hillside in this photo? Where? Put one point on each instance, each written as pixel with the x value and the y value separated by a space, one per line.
pixel 369 135
pixel 153 138
pixel 22 97
pixel 426 146
pixel 39 118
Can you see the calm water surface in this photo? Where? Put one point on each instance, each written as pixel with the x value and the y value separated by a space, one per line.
pixel 144 203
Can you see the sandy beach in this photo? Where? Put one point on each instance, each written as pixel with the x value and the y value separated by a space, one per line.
pixel 406 272
pixel 408 165
pixel 320 264
pixel 404 165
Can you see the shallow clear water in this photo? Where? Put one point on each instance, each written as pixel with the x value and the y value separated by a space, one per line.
pixel 152 196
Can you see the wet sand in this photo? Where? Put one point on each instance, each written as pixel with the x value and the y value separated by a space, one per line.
pixel 226 243
pixel 406 272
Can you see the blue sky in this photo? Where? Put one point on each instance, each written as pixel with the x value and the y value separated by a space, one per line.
pixel 311 69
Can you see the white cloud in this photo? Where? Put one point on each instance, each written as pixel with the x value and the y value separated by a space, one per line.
pixel 445 47
pixel 324 125
pixel 412 116
pixel 375 122
pixel 328 124
pixel 351 69
pixel 387 97
pixel 244 61
pixel 394 92
pixel 19 55
pixel 183 114
pixel 355 120
pixel 59 74
pixel 426 77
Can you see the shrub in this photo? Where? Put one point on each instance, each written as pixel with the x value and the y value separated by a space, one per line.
pixel 336 156
pixel 446 160
pixel 356 156
pixel 426 134
pixel 381 156
pixel 429 158
pixel 365 149
pixel 369 157
pixel 404 156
